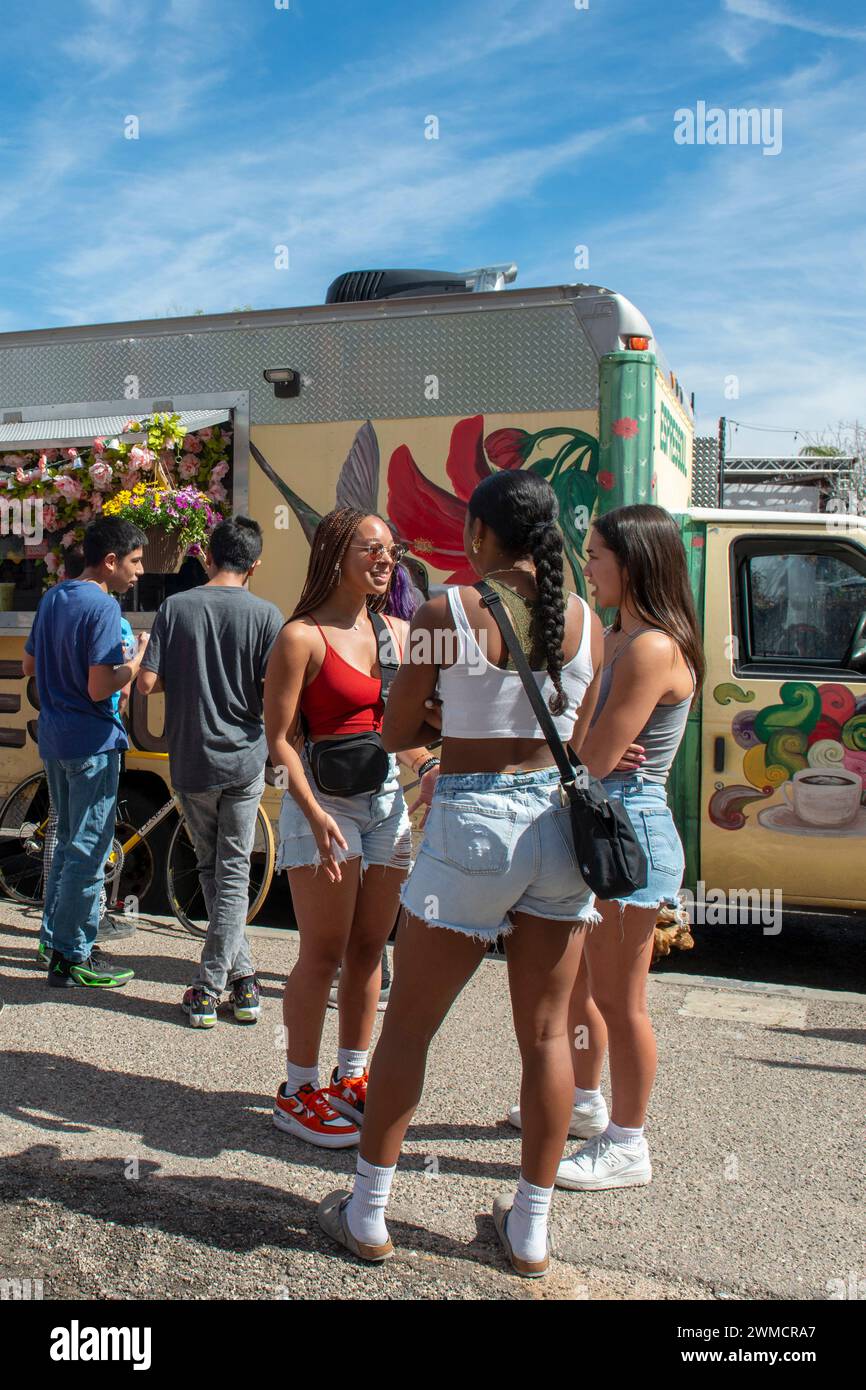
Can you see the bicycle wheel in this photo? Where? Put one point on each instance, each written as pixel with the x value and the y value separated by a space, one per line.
pixel 23 816
pixel 182 881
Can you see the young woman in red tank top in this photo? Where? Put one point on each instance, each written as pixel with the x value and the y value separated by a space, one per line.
pixel 346 856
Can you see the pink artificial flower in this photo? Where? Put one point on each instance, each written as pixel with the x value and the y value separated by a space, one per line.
pixel 206 433
pixel 626 428
pixel 217 492
pixel 43 463
pixel 219 472
pixel 140 457
pixel 19 475
pixel 51 562
pixel 192 444
pixel 101 475
pixel 188 466
pixel 71 453
pixel 61 573
pixel 68 488
pixel 97 503
pixel 99 444
pixel 49 516
pixel 129 478
pixel 67 539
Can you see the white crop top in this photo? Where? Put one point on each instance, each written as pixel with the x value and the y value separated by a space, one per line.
pixel 481 701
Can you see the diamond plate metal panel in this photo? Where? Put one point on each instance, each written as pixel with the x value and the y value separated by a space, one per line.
pixel 501 360
pixel 705 472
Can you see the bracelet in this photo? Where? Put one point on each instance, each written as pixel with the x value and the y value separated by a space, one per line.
pixel 426 766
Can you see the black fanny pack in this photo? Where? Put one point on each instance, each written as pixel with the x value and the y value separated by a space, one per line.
pixel 608 852
pixel 357 763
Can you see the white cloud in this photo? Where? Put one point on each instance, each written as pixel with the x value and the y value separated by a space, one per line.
pixel 770 12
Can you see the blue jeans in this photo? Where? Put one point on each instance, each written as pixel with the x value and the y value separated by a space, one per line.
pixel 496 844
pixel 84 795
pixel 647 806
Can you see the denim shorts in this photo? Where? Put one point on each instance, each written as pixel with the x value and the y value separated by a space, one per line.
pixel 647 806
pixel 375 825
pixel 496 844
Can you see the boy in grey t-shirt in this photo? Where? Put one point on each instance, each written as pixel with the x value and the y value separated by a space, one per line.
pixel 208 651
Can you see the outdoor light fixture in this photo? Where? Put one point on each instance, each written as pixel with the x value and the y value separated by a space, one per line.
pixel 285 381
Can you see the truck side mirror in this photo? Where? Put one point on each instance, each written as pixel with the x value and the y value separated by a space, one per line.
pixel 855 657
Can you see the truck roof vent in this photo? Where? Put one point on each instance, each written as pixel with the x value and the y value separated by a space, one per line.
pixel 392 284
pixel 404 284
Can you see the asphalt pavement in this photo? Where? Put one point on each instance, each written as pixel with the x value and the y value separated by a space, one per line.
pixel 138 1158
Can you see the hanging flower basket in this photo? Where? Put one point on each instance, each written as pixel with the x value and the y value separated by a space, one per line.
pixel 164 551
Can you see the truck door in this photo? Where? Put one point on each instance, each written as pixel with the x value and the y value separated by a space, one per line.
pixel 783 780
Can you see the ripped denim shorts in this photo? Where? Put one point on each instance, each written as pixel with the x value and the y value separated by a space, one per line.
pixel 375 826
pixel 647 806
pixel 496 844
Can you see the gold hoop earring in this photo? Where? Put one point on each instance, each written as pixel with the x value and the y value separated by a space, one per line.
pixel 476 546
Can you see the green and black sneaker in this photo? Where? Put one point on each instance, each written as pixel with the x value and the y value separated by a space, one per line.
pixel 43 956
pixel 95 972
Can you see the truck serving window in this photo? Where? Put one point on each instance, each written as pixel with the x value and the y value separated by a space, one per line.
pixel 797 602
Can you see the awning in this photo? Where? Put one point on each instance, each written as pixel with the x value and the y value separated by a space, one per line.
pixel 37 434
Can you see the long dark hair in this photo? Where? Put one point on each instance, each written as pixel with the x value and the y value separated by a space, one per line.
pixel 521 510
pixel 330 543
pixel 646 542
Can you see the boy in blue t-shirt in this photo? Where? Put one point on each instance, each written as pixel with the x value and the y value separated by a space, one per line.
pixel 75 650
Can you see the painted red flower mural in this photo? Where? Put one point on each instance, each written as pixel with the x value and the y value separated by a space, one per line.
pixel 606 480
pixel 427 516
pixel 626 428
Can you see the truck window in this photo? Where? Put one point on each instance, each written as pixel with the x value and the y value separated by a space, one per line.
pixel 798 602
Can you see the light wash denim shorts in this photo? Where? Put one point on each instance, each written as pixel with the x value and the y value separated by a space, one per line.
pixel 647 806
pixel 375 825
pixel 495 844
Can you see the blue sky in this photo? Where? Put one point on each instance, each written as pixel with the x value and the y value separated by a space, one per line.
pixel 304 126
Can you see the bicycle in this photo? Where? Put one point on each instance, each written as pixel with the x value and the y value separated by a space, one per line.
pixel 130 867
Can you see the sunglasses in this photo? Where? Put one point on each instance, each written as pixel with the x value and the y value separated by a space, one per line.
pixel 377 551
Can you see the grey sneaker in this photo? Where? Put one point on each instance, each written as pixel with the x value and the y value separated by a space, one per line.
pixel 110 929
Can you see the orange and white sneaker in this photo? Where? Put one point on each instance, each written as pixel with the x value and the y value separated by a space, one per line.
pixel 348 1094
pixel 308 1115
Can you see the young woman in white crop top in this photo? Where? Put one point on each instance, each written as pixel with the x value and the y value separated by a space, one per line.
pixel 497 857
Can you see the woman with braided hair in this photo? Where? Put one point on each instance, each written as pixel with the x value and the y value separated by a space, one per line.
pixel 346 851
pixel 497 857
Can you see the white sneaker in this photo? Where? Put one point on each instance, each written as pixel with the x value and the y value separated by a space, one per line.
pixel 587 1119
pixel 602 1163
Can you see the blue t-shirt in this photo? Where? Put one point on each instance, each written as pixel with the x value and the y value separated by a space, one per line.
pixel 77 625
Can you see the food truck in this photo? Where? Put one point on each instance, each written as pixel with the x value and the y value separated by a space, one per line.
pixel 399 394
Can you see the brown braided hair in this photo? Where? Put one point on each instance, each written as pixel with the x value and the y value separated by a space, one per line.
pixel 330 543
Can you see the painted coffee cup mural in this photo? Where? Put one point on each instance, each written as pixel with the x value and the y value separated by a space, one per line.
pixel 811 747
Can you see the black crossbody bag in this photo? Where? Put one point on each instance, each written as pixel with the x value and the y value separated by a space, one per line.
pixel 356 764
pixel 609 856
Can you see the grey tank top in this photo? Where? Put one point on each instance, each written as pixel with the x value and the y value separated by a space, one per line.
pixel 660 736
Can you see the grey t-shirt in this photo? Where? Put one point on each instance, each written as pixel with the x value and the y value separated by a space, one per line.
pixel 210 647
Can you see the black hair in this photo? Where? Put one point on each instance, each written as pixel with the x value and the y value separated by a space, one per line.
pixel 522 511
pixel 236 544
pixel 73 562
pixel 109 535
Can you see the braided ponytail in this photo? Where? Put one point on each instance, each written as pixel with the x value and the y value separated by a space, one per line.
pixel 547 628
pixel 521 508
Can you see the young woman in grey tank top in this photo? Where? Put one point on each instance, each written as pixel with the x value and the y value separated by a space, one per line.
pixel 653 666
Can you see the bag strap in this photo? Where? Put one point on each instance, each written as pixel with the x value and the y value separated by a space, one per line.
pixel 388 663
pixel 493 601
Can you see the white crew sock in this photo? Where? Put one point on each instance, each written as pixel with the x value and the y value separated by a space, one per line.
pixel 365 1210
pixel 296 1077
pixel 527 1221
pixel 351 1061
pixel 582 1097
pixel 627 1138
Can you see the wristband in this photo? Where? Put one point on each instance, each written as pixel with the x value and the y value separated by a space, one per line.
pixel 426 766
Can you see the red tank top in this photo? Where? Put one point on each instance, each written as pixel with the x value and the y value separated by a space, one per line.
pixel 341 699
